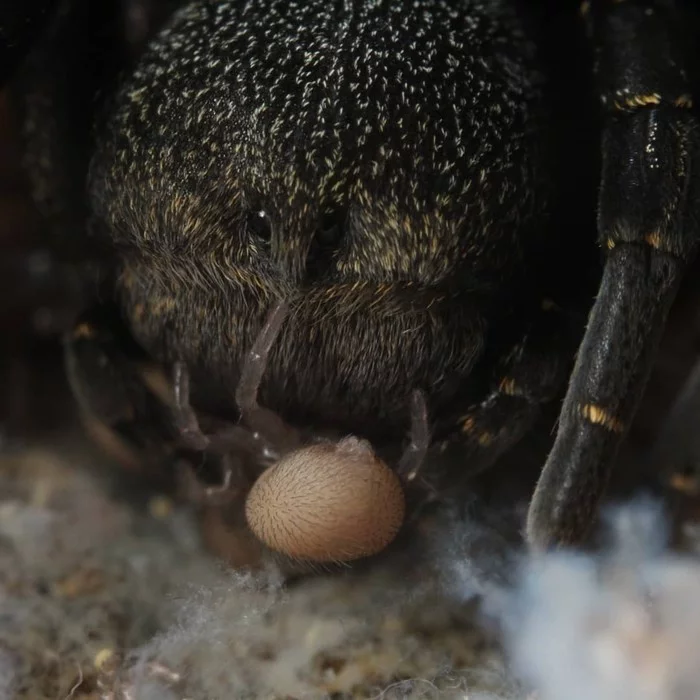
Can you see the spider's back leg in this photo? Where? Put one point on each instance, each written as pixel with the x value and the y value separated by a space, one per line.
pixel 648 224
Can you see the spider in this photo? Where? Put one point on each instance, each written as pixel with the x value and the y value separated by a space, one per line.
pixel 413 182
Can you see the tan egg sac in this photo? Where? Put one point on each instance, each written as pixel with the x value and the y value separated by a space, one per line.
pixel 327 502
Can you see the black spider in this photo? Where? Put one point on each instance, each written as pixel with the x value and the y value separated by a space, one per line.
pixel 413 180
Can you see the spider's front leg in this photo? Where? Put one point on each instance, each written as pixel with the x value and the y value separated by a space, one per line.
pixel 647 222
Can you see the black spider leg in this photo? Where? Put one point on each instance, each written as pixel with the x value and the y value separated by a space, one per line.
pixel 531 374
pixel 115 383
pixel 646 220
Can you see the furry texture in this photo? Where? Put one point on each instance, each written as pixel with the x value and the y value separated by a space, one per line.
pixel 377 164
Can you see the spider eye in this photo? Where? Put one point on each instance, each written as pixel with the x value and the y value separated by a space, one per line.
pixel 258 224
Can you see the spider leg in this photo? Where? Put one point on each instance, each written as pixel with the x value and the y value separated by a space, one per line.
pixel 224 443
pixel 647 222
pixel 185 418
pixel 531 374
pixel 115 384
pixel 262 421
pixel 222 494
pixel 265 426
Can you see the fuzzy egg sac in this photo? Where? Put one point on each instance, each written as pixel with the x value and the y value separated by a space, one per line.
pixel 327 502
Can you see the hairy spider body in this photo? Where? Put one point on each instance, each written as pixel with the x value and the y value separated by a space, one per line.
pixel 393 172
pixel 314 146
